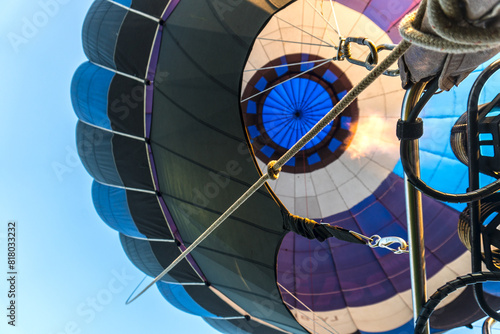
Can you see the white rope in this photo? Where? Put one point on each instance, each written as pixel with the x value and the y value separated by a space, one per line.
pixel 335 18
pixel 152 192
pixel 152 18
pixel 453 37
pixel 147 239
pixel 209 230
pixel 120 73
pixel 113 131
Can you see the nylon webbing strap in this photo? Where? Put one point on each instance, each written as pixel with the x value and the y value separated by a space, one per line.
pixel 310 229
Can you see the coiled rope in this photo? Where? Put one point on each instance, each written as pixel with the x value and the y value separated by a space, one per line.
pixel 455 34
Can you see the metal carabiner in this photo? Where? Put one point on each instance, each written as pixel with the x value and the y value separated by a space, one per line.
pixel 370 66
pixel 346 51
pixel 386 243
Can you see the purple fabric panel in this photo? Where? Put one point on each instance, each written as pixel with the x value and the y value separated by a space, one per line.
pixel 170 9
pixel 149 111
pixel 389 194
pixel 329 275
pixel 153 166
pixel 362 279
pixel 373 217
pixel 295 272
pixel 153 62
pixel 394 35
pixel 385 12
pixel 357 5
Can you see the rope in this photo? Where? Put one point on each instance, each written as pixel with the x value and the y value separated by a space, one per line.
pixel 344 103
pixel 446 18
pixel 260 182
pixel 275 166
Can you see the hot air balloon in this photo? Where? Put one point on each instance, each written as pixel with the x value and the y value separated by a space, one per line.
pixel 181 106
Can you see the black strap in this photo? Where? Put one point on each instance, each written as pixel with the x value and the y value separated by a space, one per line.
pixel 410 130
pixel 312 230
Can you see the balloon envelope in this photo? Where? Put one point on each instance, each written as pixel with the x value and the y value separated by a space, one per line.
pixel 170 145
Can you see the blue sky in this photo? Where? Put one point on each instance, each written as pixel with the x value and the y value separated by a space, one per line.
pixel 73 276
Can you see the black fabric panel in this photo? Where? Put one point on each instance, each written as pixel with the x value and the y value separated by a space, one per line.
pixel 207 299
pixel 152 257
pixel 96 153
pixel 132 162
pixel 166 253
pixel 240 326
pixel 461 311
pixel 134 45
pixel 201 153
pixel 139 252
pixel 126 106
pixel 148 217
pixel 151 7
pixel 100 31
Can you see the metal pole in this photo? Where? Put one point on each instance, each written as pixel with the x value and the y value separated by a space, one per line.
pixel 488 323
pixel 414 215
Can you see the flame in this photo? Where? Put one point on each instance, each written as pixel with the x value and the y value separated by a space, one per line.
pixel 374 134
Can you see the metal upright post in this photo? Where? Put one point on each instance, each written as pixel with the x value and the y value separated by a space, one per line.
pixel 488 323
pixel 414 214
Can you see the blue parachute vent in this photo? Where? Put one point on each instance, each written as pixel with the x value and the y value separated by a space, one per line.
pixel 292 109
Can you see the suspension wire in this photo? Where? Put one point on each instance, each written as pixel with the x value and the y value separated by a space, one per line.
pixel 137 287
pixel 305 32
pixel 335 18
pixel 324 18
pixel 307 307
pixel 286 65
pixel 274 167
pixel 294 42
pixel 282 82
